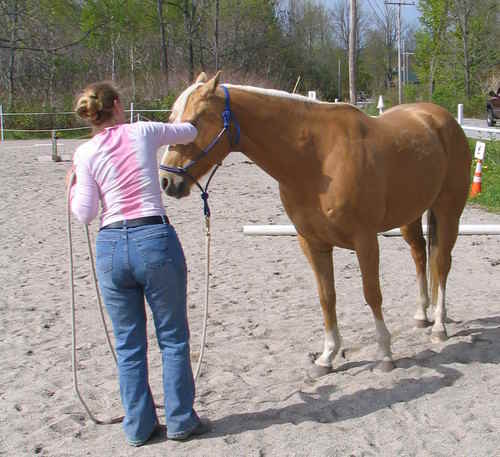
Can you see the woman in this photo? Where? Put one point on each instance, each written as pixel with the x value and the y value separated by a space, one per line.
pixel 138 255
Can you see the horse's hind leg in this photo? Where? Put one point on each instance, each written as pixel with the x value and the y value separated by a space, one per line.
pixel 443 230
pixel 413 235
pixel 367 250
pixel 320 259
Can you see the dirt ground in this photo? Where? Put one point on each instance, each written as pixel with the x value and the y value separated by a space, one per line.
pixel 264 321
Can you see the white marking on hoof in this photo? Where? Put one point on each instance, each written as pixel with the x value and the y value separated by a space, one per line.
pixel 439 337
pixel 331 348
pixel 422 299
pixel 383 339
pixel 438 334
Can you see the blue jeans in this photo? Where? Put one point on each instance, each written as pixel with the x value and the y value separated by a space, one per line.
pixel 133 263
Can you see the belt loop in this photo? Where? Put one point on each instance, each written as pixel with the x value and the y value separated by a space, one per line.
pixel 124 226
pixel 164 219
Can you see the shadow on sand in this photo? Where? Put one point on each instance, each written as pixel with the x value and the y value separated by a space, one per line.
pixel 484 347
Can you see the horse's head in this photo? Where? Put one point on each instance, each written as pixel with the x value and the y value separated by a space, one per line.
pixel 200 105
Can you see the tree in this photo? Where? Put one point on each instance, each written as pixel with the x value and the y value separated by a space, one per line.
pixel 383 38
pixel 434 19
pixel 461 12
pixel 474 24
pixel 164 47
pixel 13 14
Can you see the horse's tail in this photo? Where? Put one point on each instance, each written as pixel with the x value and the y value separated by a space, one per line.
pixel 432 244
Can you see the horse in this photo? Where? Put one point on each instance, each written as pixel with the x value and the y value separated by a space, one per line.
pixel 343 177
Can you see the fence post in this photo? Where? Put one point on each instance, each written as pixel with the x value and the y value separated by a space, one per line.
pixel 138 117
pixel 1 121
pixel 460 114
pixel 131 112
pixel 380 105
pixel 55 156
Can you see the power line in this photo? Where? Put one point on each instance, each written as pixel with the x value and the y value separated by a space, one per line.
pixel 377 13
pixel 400 4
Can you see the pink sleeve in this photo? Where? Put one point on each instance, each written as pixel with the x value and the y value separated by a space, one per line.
pixel 162 134
pixel 85 193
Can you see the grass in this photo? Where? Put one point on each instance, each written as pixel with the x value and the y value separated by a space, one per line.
pixel 489 198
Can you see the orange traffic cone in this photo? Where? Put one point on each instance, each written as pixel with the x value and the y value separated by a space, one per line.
pixel 475 189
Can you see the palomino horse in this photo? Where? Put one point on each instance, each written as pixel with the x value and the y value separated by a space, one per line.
pixel 343 178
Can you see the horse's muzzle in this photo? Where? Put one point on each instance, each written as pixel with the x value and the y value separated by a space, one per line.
pixel 174 186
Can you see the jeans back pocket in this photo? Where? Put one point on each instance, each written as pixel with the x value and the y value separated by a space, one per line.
pixel 105 250
pixel 154 250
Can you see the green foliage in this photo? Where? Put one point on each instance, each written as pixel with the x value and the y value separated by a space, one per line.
pixel 475 106
pixel 456 49
pixel 446 97
pixel 411 93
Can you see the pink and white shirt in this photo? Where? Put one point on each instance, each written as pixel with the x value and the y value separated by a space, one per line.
pixel 118 166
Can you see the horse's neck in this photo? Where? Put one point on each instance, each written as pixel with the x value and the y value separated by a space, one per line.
pixel 271 127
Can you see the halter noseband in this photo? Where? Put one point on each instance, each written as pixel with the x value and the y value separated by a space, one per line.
pixel 228 118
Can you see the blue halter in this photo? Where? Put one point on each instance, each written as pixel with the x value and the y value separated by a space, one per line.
pixel 228 118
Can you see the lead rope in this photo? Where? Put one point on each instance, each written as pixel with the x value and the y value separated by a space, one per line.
pixel 74 361
pixel 207 281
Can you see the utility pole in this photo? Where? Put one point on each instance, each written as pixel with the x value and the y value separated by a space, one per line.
pixel 352 51
pixel 400 4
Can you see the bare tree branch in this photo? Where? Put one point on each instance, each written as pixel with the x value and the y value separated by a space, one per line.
pixel 50 50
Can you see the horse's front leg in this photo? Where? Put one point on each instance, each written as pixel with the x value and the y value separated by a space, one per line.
pixel 367 250
pixel 320 259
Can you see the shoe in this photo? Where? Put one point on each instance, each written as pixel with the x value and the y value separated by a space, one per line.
pixel 203 426
pixel 157 431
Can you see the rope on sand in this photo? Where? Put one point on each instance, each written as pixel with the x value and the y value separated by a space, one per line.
pixel 73 313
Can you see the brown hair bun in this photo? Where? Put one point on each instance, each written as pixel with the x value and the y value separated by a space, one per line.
pixel 96 102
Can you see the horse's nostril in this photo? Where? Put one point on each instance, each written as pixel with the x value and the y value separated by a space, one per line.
pixel 164 183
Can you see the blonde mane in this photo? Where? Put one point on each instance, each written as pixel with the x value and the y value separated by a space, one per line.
pixel 180 104
pixel 275 93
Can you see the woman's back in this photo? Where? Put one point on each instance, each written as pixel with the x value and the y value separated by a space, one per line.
pixel 119 167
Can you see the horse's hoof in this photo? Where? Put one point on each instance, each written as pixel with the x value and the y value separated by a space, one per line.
pixel 317 371
pixel 419 323
pixel 386 365
pixel 439 337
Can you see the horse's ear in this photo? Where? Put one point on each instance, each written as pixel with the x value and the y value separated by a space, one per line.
pixel 202 78
pixel 210 86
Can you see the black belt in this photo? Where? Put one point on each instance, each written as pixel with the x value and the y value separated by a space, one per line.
pixel 132 223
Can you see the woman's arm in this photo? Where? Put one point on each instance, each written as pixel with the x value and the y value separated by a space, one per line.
pixel 162 134
pixel 85 193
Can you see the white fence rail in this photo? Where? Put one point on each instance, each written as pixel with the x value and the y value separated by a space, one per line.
pixel 289 230
pixel 476 132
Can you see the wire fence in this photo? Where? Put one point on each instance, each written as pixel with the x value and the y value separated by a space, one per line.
pixel 25 125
